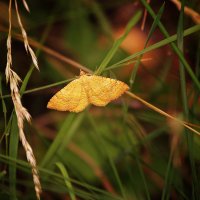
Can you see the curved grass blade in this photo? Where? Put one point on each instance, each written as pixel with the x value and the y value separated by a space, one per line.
pixel 67 180
pixel 25 167
pixel 67 130
pixel 153 27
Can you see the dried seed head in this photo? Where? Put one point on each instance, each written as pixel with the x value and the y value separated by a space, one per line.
pixel 21 111
pixel 24 35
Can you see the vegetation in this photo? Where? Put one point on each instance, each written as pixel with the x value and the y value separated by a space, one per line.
pixel 143 145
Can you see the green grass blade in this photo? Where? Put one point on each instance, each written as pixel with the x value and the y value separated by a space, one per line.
pixel 190 141
pixel 169 172
pixel 118 42
pixel 157 45
pixel 173 45
pixel 71 131
pixel 25 167
pixel 197 70
pixel 182 70
pixel 135 155
pixel 101 142
pixel 26 79
pixel 67 180
pixel 58 140
pixel 155 23
pixel 116 174
pixel 3 105
pixel 68 128
pixel 144 181
pixel 41 88
pixel 7 132
pixel 13 149
pixel 153 27
pixel 164 42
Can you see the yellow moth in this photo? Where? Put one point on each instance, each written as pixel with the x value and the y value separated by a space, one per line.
pixel 87 89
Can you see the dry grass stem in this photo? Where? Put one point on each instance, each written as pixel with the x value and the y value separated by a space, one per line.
pixel 21 112
pixel 144 17
pixel 188 11
pixel 9 55
pixel 26 5
pixel 25 38
pixel 51 52
pixel 162 112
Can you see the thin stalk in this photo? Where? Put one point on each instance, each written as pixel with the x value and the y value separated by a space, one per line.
pixel 174 46
pixel 189 136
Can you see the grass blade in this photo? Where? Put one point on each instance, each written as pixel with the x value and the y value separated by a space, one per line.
pixel 40 88
pixel 112 164
pixel 157 45
pixel 3 105
pixel 135 155
pixel 71 131
pixel 118 42
pixel 57 141
pixel 173 45
pixel 190 141
pixel 26 79
pixel 68 128
pixel 67 180
pixel 153 27
pixel 168 176
pixel 13 150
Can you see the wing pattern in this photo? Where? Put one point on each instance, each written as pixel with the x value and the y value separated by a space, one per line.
pixel 93 89
pixel 71 98
pixel 102 90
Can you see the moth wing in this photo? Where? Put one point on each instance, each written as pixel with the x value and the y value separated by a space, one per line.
pixel 83 103
pixel 102 90
pixel 71 98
